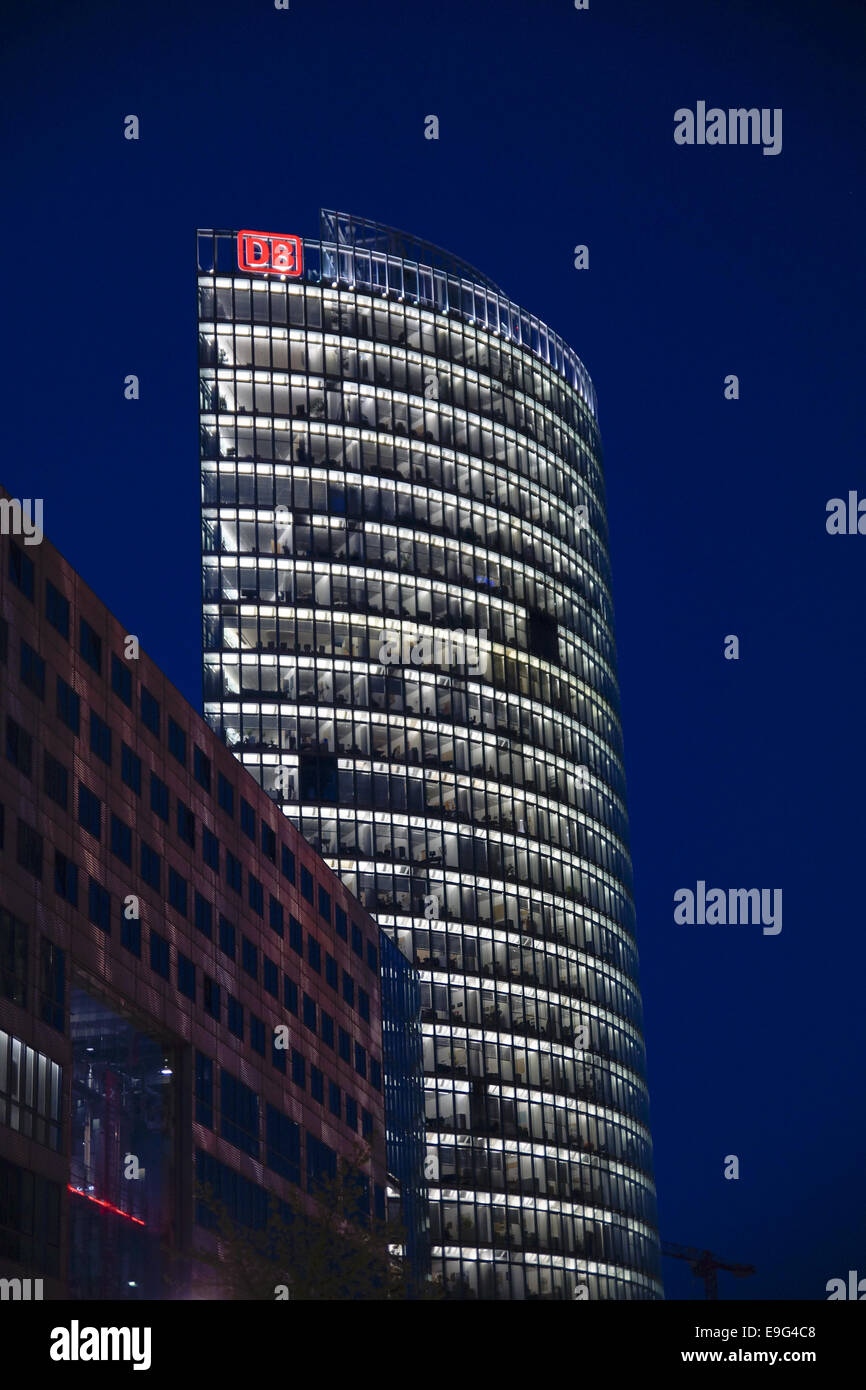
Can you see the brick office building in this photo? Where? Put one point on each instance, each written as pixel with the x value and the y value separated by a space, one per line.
pixel 159 919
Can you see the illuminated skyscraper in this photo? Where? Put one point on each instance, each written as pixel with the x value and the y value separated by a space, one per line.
pixel 408 637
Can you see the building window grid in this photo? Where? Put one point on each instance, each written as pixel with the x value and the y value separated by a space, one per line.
pixel 615 906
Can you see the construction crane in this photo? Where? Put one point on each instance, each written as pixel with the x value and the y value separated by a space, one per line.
pixel 705 1265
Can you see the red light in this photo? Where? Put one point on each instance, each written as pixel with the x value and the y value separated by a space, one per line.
pixel 269 254
pixel 109 1206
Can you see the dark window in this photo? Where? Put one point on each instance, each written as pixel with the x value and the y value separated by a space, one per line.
pixel 288 864
pixel 257 1035
pixel 210 849
pixel 324 904
pixel 19 747
pixel 317 1084
pixel 89 811
pixel 130 768
pixel 269 843
pixel 52 984
pixel 227 937
pixel 201 767
pixel 203 916
pixel 321 1163
pixel 248 819
pixel 342 922
pixel 32 670
pixel 159 954
pixel 361 1060
pixel 186 976
pixel 245 1202
pixel 372 957
pixel 176 741
pixel 334 1098
pixel 100 738
pixel 239 1114
pixel 158 797
pixel 55 780
pixel 57 609
pixel 330 970
pixel 283 1144
pixel 327 1028
pixel 256 895
pixel 345 1046
pixel 249 957
pixel 278 1054
pixel 4 640
pixel 309 1013
pixel 68 705
pixel 226 794
pixel 348 989
pixel 65 878
pixel 21 570
pixel 352 1113
pixel 543 635
pixel 364 1005
pixel 299 1070
pixel 121 679
pixel 185 824
pixel 233 871
pixel 276 915
pixel 211 997
pixel 317 777
pixel 271 976
pixel 149 711
pixel 296 935
pixel 121 839
pixel 306 884
pixel 13 958
pixel 90 645
pixel 29 851
pixel 236 1017
pixel 290 995
pixel 130 932
pixel 99 906
pixel 357 941
pixel 314 954
pixel 177 891
pixel 376 1073
pixel 203 1090
pixel 151 866
pixel 367 1128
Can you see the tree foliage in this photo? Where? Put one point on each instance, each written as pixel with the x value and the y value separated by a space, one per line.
pixel 319 1246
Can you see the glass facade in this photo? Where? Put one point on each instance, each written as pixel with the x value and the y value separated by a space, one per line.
pixel 122 1146
pixel 408 641
pixel 405 1126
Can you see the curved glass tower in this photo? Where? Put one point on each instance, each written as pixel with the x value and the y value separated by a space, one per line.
pixel 409 642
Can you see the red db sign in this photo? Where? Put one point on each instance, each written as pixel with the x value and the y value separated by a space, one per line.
pixel 269 254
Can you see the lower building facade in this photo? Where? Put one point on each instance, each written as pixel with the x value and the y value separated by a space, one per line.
pixel 190 1006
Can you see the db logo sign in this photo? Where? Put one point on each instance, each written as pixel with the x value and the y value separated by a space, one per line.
pixel 270 255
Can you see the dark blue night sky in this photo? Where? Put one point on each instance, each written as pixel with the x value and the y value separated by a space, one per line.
pixel 556 129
